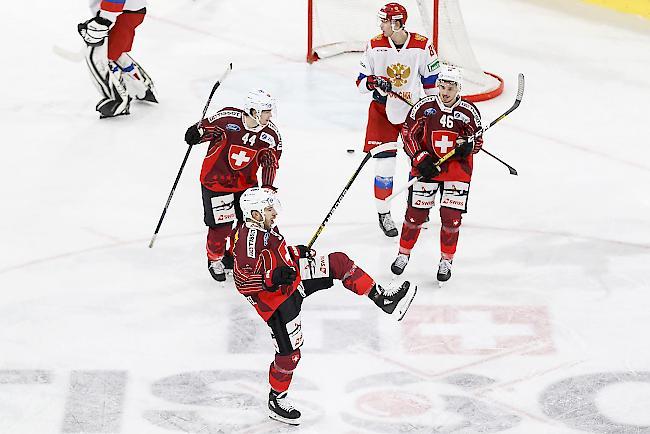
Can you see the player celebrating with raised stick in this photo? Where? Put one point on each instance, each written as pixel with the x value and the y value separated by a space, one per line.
pixel 436 126
pixel 394 61
pixel 239 143
pixel 275 278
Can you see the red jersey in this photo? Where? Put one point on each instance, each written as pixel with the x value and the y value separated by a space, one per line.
pixel 257 253
pixel 433 127
pixel 231 164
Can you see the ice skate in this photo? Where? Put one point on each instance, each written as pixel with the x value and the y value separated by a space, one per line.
pixel 281 409
pixel 444 271
pixel 394 300
pixel 217 270
pixel 399 264
pixel 387 225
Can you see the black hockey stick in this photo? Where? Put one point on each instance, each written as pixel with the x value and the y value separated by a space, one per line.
pixel 187 154
pixel 479 133
pixel 378 149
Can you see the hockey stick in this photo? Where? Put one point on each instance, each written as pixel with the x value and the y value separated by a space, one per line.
pixel 187 154
pixel 479 133
pixel 381 148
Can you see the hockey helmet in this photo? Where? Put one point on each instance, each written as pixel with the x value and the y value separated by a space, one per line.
pixel 450 73
pixel 258 199
pixel 393 12
pixel 259 100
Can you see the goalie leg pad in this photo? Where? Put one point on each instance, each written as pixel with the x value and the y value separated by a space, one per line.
pixel 138 82
pixel 115 97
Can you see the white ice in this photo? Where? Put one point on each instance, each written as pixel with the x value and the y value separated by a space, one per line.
pixel 542 329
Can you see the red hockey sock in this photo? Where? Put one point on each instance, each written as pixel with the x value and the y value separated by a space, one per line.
pixel 281 370
pixel 351 276
pixel 449 231
pixel 216 243
pixel 409 237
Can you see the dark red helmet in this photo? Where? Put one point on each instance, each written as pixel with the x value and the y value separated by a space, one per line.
pixel 393 11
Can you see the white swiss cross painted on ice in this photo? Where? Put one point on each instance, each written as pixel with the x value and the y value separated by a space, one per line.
pixel 240 158
pixel 444 144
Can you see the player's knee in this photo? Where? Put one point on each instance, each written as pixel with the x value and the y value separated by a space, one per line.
pixel 286 363
pixel 450 218
pixel 416 216
pixel 340 264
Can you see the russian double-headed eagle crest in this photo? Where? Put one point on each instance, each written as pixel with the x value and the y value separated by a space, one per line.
pixel 398 74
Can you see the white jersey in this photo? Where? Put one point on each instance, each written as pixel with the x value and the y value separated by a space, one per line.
pixel 412 70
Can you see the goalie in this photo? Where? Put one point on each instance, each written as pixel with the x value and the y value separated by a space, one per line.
pixel 109 37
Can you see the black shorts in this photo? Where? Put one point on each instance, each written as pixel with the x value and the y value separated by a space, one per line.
pixel 208 215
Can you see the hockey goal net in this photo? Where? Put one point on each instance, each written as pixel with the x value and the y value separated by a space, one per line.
pixel 341 26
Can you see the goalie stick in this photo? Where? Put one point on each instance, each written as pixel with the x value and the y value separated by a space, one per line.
pixel 187 154
pixel 479 133
pixel 381 148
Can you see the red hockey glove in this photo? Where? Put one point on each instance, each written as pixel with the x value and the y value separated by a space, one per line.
pixel 464 147
pixel 423 162
pixel 283 275
pixel 376 82
pixel 301 251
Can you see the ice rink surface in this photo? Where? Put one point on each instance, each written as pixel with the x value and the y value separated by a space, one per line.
pixel 542 329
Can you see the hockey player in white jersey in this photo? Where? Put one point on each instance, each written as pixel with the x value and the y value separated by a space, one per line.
pixel 109 36
pixel 394 61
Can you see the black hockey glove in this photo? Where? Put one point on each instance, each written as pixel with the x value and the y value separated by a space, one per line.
pixel 192 135
pixel 94 31
pixel 464 147
pixel 301 251
pixel 376 82
pixel 423 161
pixel 283 275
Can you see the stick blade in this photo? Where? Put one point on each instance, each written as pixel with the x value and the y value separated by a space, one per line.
pixel 521 82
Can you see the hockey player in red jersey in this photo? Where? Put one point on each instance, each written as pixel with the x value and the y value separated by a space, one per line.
pixel 435 126
pixel 239 143
pixel 275 278
pixel 402 62
pixel 109 36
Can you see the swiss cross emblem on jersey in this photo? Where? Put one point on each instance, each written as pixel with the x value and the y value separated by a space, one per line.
pixel 240 157
pixel 443 142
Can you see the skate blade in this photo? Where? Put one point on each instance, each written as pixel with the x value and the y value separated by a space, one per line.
pixel 405 303
pixel 279 418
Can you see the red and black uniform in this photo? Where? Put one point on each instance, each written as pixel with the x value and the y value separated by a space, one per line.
pixel 230 167
pixel 433 127
pixel 257 254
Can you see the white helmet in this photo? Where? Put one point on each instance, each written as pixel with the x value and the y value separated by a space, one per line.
pixel 259 100
pixel 257 199
pixel 450 73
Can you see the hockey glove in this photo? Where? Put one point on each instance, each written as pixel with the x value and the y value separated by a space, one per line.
pixel 423 161
pixel 283 275
pixel 464 147
pixel 94 31
pixel 301 251
pixel 192 135
pixel 376 82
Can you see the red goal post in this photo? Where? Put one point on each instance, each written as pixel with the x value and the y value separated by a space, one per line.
pixel 344 26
